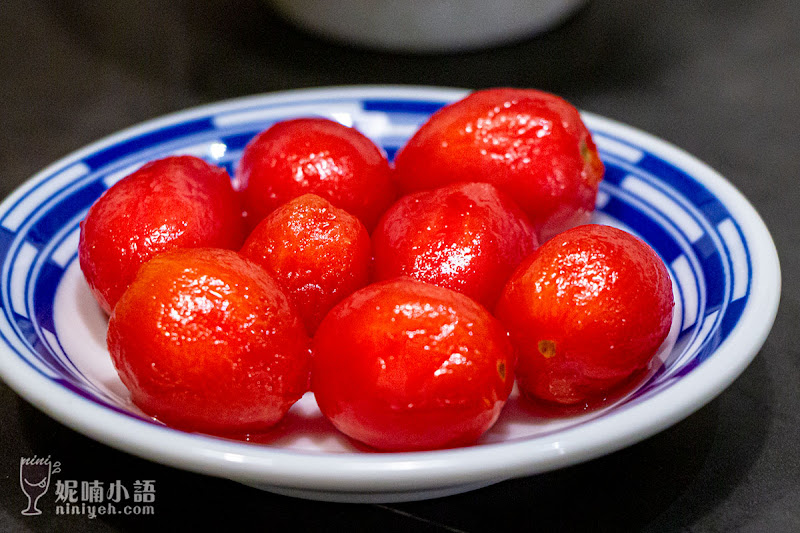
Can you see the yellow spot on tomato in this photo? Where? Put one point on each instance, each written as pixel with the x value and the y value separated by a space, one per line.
pixel 547 348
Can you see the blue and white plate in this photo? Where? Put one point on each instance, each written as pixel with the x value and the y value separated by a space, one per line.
pixel 720 255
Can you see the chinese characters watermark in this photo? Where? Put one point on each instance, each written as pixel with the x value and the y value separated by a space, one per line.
pixel 89 498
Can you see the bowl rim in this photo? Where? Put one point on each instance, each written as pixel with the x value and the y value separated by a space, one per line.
pixel 251 463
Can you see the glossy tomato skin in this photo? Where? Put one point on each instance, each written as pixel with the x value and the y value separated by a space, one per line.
pixel 317 253
pixel 175 202
pixel 206 341
pixel 586 311
pixel 531 144
pixel 318 156
pixel 468 237
pixel 403 365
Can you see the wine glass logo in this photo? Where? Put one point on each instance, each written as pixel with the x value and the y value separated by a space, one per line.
pixel 34 479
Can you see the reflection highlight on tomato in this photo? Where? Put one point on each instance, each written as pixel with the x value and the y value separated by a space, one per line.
pixel 405 365
pixel 531 144
pixel 586 311
pixel 175 202
pixel 318 156
pixel 205 340
pixel 317 253
pixel 468 237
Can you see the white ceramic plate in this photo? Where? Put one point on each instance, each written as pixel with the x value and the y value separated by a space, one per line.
pixel 720 255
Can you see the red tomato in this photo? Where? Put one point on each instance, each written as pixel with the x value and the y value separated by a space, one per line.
pixel 206 341
pixel 176 202
pixel 468 237
pixel 530 144
pixel 586 311
pixel 319 156
pixel 404 365
pixel 317 253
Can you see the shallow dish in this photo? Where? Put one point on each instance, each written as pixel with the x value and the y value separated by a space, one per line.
pixel 720 255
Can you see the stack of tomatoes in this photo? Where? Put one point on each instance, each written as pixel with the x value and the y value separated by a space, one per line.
pixel 408 297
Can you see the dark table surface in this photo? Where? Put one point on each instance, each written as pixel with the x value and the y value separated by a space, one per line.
pixel 718 78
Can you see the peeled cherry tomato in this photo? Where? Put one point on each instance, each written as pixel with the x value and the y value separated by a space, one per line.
pixel 176 202
pixel 317 253
pixel 531 144
pixel 404 365
pixel 586 311
pixel 319 156
pixel 205 340
pixel 468 237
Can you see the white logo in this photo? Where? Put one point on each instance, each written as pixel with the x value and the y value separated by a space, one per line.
pixel 88 498
pixel 34 479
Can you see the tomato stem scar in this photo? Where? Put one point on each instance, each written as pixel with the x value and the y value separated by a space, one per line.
pixel 547 348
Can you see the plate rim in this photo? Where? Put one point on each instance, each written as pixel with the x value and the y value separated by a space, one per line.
pixel 357 471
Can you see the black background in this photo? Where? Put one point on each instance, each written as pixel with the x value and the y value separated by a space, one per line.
pixel 718 78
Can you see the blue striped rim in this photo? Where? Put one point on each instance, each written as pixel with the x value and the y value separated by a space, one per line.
pixel 136 144
pixel 710 262
pixel 402 106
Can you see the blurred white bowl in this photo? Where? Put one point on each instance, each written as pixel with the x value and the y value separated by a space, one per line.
pixel 426 25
